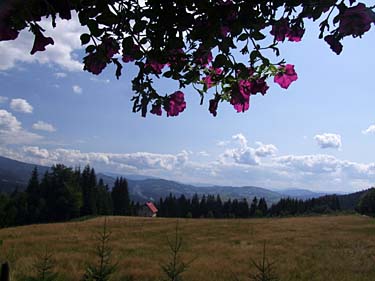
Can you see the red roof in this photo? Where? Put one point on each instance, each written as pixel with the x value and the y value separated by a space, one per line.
pixel 152 207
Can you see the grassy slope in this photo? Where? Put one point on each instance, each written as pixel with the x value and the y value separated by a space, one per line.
pixel 314 248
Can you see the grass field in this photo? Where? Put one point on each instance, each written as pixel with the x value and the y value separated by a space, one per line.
pixel 311 248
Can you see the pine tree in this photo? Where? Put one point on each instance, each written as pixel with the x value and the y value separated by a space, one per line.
pixel 262 206
pixel 254 207
pixel 89 192
pixel 120 197
pixel 33 197
pixel 103 268
pixel 103 199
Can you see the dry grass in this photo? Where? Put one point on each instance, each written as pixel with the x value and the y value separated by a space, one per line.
pixel 314 248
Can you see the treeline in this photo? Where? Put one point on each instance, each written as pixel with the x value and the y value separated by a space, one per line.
pixel 210 206
pixel 62 194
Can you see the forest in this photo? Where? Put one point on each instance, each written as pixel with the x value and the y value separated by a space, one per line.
pixel 64 193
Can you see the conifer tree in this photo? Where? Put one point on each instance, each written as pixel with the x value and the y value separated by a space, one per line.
pixel 120 197
pixel 33 197
pixel 89 192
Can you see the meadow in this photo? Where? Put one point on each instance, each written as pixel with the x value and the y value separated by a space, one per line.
pixel 303 248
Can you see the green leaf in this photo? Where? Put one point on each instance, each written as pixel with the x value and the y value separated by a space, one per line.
pixel 168 74
pixel 90 49
pixel 139 26
pixel 243 37
pixel 257 35
pixel 220 60
pixel 85 38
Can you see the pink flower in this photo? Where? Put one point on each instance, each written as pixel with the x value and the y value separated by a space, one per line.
pixel 213 106
pixel 356 20
pixel 208 81
pixel 295 34
pixel 334 43
pixel 286 76
pixel 127 58
pixel 7 33
pixel 94 63
pixel 130 57
pixel 176 104
pixel 224 30
pixel 40 42
pixel 259 86
pixel 203 57
pixel 240 97
pixel 111 47
pixel 156 109
pixel 280 29
pixel 176 56
pixel 155 66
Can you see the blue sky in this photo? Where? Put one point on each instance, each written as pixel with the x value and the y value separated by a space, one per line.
pixel 312 135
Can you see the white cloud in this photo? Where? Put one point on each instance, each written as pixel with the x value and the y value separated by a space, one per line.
pixel 3 99
pixel 21 105
pixel 8 122
pixel 222 143
pixel 369 130
pixel 203 153
pixel 66 36
pixel 328 140
pixel 320 163
pixel 265 150
pixel 317 172
pixel 247 155
pixel 94 79
pixel 241 139
pixel 35 151
pixel 60 74
pixel 43 126
pixel 126 162
pixel 11 131
pixel 77 89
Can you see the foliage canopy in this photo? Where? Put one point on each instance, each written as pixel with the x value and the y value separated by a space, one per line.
pixel 193 42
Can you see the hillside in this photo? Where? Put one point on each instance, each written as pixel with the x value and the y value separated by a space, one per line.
pixel 15 174
pixel 310 248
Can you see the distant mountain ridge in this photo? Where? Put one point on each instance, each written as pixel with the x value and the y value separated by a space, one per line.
pixel 15 174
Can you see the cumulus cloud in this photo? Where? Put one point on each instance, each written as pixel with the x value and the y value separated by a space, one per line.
pixel 125 162
pixel 21 105
pixel 77 89
pixel 265 150
pixel 317 172
pixel 94 79
pixel 66 36
pixel 328 140
pixel 203 153
pixel 3 99
pixel 369 130
pixel 11 131
pixel 60 74
pixel 35 151
pixel 247 155
pixel 319 163
pixel 43 126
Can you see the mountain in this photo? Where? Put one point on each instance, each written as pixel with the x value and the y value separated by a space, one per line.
pixel 15 174
pixel 350 201
pixel 301 193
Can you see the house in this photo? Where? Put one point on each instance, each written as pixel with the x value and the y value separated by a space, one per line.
pixel 148 210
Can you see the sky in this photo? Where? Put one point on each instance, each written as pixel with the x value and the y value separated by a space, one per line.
pixel 319 134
